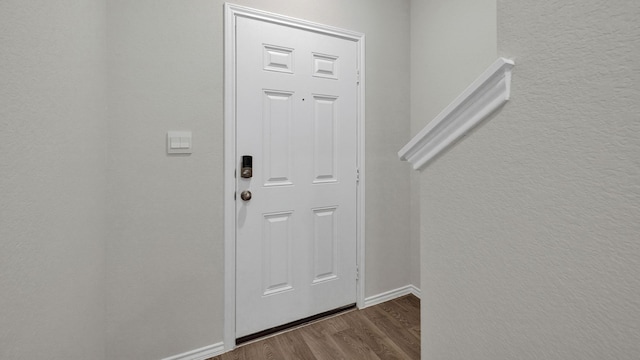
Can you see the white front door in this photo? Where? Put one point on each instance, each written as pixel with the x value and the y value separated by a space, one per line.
pixel 297 118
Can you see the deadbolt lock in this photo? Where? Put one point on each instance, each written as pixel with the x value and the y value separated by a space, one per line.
pixel 247 167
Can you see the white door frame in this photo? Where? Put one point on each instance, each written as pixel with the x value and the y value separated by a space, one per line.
pixel 231 13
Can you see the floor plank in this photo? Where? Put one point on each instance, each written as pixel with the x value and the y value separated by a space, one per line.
pixel 353 347
pixel 375 339
pixel 381 316
pixel 293 346
pixel 321 342
pixel 410 309
pixel 387 331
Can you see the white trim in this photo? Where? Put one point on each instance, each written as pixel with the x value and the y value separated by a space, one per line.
pixel 486 94
pixel 231 12
pixel 415 291
pixel 392 294
pixel 360 207
pixel 229 178
pixel 200 354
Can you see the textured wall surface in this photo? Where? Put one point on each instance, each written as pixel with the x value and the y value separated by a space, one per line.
pixel 452 42
pixel 52 179
pixel 165 247
pixel 531 223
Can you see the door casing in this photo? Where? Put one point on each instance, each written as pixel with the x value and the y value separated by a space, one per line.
pixel 231 12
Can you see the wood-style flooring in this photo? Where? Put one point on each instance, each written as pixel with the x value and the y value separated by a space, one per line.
pixel 390 330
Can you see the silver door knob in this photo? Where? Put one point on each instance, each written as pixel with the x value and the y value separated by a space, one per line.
pixel 245 195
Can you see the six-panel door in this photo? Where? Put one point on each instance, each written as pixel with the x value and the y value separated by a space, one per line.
pixel 297 117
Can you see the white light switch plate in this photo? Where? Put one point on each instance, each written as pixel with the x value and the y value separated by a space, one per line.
pixel 179 142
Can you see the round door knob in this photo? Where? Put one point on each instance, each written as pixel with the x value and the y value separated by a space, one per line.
pixel 245 195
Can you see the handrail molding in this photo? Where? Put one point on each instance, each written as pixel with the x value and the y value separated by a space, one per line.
pixel 486 94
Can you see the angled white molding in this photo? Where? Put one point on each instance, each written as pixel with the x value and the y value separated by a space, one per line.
pixel 486 94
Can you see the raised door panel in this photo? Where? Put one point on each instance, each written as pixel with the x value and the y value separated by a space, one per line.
pixel 276 137
pixel 278 58
pixel 324 129
pixel 276 253
pixel 325 241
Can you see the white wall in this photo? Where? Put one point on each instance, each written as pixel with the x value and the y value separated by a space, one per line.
pixel 52 179
pixel 530 224
pixel 165 246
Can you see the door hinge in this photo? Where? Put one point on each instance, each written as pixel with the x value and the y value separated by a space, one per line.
pixel 357 175
pixel 358 77
pixel 357 272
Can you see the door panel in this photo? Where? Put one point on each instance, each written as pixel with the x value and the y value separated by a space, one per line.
pixel 276 137
pixel 297 116
pixel 324 143
pixel 276 253
pixel 325 242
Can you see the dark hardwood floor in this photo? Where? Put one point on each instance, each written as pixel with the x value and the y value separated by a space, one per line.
pixel 390 330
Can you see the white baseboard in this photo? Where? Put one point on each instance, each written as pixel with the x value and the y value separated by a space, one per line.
pixel 415 291
pixel 200 354
pixel 391 294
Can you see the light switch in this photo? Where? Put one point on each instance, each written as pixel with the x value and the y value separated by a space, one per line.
pixel 179 142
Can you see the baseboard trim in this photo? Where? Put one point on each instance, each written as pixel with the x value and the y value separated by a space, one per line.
pixel 415 291
pixel 200 354
pixel 391 294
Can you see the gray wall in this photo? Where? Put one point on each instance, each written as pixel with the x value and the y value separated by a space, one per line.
pixel 452 42
pixel 95 216
pixel 165 247
pixel 52 179
pixel 530 224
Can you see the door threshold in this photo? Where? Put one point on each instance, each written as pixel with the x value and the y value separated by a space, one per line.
pixel 294 324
